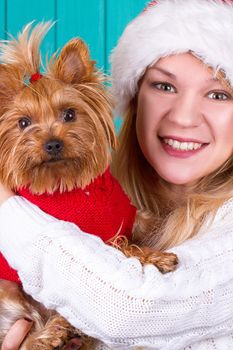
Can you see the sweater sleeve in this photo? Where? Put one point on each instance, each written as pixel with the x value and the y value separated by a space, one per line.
pixel 114 298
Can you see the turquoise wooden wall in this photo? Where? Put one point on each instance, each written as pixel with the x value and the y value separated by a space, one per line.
pixel 98 22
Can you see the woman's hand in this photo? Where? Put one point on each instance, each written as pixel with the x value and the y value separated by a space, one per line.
pixel 16 334
pixel 5 193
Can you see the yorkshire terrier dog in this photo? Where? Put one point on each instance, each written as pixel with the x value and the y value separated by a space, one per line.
pixel 56 137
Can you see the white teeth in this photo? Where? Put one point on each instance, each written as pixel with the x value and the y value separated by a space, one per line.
pixel 183 146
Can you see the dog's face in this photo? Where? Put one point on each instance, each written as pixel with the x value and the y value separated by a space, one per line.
pixel 57 132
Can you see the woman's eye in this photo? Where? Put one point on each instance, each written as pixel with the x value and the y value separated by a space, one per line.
pixel 164 87
pixel 24 122
pixel 68 115
pixel 220 96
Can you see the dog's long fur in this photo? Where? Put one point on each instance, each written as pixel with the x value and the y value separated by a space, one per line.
pixel 71 82
pixel 31 114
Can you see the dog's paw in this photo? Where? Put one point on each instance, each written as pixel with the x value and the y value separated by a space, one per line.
pixel 165 262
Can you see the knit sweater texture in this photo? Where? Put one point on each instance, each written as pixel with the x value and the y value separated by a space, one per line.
pixel 102 208
pixel 114 298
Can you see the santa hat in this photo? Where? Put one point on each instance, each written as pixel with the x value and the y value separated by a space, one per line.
pixel 168 27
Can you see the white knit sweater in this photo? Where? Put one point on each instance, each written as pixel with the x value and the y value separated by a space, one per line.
pixel 114 298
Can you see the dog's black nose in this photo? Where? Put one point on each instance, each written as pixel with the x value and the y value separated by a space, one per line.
pixel 54 147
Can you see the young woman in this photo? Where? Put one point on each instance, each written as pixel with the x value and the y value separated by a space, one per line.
pixel 172 79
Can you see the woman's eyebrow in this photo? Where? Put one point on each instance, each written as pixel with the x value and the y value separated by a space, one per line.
pixel 171 75
pixel 164 71
pixel 213 79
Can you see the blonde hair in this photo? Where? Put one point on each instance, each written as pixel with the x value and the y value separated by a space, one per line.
pixel 172 223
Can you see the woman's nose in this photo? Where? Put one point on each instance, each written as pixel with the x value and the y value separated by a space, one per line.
pixel 186 111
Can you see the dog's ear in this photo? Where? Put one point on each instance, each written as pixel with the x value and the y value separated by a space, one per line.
pixel 11 82
pixel 74 65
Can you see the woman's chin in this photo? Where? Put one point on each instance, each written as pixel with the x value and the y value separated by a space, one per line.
pixel 178 179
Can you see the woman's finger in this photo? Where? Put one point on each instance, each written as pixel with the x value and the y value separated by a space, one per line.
pixel 16 334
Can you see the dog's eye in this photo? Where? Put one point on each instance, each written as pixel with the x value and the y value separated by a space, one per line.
pixel 24 122
pixel 68 115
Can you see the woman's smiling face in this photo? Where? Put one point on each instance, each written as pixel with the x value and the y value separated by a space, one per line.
pixel 184 119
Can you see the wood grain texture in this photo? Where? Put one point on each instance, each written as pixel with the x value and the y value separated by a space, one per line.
pixel 2 19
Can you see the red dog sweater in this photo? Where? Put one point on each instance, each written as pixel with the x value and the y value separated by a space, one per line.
pixel 102 208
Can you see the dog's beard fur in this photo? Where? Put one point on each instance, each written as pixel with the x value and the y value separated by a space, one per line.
pixel 87 140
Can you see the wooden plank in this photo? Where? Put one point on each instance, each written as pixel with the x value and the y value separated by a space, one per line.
pixel 2 19
pixel 19 13
pixel 85 19
pixel 118 14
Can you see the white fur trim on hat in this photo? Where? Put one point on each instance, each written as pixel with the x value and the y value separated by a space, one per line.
pixel 171 27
